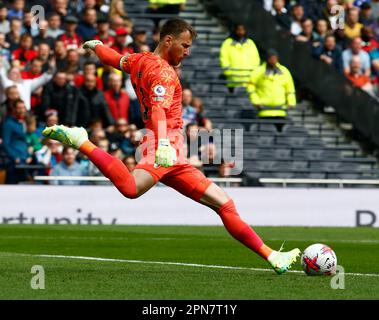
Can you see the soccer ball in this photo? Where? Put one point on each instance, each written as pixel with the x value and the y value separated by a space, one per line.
pixel 319 260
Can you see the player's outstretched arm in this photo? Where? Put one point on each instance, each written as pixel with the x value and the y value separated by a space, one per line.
pixel 106 55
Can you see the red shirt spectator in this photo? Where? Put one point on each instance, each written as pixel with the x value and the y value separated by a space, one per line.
pixel 103 31
pixel 369 43
pixel 25 52
pixel 120 40
pixel 70 38
pixel 71 42
pixel 79 80
pixel 89 68
pixel 117 99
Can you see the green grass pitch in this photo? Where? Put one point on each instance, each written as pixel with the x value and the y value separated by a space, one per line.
pixel 68 278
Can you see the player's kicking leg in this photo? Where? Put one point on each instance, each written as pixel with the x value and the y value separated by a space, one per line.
pixel 217 199
pixel 131 185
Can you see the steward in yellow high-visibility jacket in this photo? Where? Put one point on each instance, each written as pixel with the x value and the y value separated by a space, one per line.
pixel 166 2
pixel 271 88
pixel 238 57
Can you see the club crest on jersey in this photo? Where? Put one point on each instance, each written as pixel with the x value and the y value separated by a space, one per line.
pixel 159 90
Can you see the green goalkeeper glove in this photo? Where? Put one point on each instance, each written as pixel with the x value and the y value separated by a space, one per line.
pixel 91 44
pixel 166 154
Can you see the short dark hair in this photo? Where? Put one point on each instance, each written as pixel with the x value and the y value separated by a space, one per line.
pixel 175 27
pixel 66 149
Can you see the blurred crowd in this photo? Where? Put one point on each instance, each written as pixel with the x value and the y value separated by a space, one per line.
pixel 47 78
pixel 343 34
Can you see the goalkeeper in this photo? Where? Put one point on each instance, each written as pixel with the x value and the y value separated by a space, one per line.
pixel 159 93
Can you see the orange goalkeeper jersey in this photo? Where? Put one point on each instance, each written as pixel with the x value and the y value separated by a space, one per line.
pixel 157 84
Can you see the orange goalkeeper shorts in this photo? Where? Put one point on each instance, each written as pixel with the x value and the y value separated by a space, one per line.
pixel 184 178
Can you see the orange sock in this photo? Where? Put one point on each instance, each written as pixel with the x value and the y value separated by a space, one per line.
pixel 112 168
pixel 264 251
pixel 241 231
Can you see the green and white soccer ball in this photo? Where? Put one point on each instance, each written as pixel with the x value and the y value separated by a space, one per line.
pixel 319 260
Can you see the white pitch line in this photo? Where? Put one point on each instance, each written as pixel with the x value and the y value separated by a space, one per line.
pixel 167 263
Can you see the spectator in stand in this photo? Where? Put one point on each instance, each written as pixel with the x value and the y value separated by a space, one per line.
pixel 130 162
pixel 117 9
pixel 43 51
pixel 297 15
pixel 353 27
pixel 238 57
pixel 54 29
pixel 356 50
pixel 366 17
pixel 321 31
pixel 202 122
pixel 154 39
pixel 121 136
pixel 50 155
pixel 60 7
pixel 307 34
pixel 14 142
pixel 25 87
pixel 120 40
pixel 330 53
pixel 59 95
pixel 68 167
pixel 60 54
pixel 11 96
pixel 375 8
pixel 25 52
pixel 368 41
pixel 32 139
pixel 103 31
pixel 51 117
pixel 14 35
pixel 117 99
pixel 43 36
pixel 96 135
pixel 224 171
pixel 271 88
pixel 92 105
pixel 140 39
pixel 4 51
pixel 89 68
pixel 33 69
pixel 135 136
pixel 189 114
pixel 359 79
pixel 27 24
pixel 70 38
pixel 4 22
pixel 17 9
pixel 87 27
pixel 192 148
pixel 73 65
pixel 279 11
